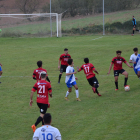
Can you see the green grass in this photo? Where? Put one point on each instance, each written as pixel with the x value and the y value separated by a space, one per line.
pixel 113 116
pixel 68 23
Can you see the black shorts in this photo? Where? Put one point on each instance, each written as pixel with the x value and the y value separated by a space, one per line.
pixel 93 81
pixel 43 107
pixel 63 68
pixel 116 72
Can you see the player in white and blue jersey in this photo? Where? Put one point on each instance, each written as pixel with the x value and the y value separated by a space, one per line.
pixel 47 132
pixel 71 80
pixel 0 70
pixel 134 25
pixel 133 59
pixel 137 67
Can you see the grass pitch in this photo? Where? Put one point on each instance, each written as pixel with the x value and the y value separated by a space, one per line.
pixel 113 116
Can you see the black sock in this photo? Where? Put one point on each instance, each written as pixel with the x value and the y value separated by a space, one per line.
pixel 116 83
pixel 133 31
pixel 97 91
pixel 38 120
pixel 42 122
pixel 59 77
pixel 125 81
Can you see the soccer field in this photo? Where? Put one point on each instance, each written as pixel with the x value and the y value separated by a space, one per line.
pixel 113 116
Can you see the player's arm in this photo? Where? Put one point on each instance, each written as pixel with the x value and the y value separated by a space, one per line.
pixel 79 69
pixel 71 73
pixel 50 90
pixel 0 64
pixel 47 78
pixel 34 75
pixel 31 98
pixel 59 62
pixel 128 65
pixel 95 71
pixel 110 68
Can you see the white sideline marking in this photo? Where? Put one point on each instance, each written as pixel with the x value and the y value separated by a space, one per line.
pixel 54 76
pixel 98 38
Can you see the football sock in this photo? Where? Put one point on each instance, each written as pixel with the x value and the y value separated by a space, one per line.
pixel 38 120
pixel 125 81
pixel 116 83
pixel 59 77
pixel 97 91
pixel 77 93
pixel 133 31
pixel 42 122
pixel 67 93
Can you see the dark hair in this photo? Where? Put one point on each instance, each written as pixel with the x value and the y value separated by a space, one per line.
pixel 118 51
pixel 86 60
pixel 70 61
pixel 39 63
pixel 65 49
pixel 47 118
pixel 43 75
pixel 135 49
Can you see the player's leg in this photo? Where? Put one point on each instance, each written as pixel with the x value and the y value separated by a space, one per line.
pixel 138 73
pixel 126 76
pixel 116 74
pixel 95 85
pixel 69 90
pixel 43 109
pixel 61 71
pixel 133 30
pixel 0 72
pixel 76 90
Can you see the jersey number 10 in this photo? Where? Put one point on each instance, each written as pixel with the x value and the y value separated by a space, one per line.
pixel 49 136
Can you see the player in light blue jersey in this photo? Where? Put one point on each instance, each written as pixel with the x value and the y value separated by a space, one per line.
pixel 137 67
pixel 133 59
pixel 71 80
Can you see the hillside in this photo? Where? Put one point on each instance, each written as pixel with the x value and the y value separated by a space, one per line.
pixel 8 6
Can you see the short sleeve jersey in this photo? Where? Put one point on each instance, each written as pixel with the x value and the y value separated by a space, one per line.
pixel 137 62
pixel 118 62
pixel 133 57
pixel 69 78
pixel 47 132
pixel 64 59
pixel 36 73
pixel 88 70
pixel 42 87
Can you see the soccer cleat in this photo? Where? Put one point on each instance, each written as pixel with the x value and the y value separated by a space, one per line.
pixel 33 127
pixel 66 98
pixel 116 89
pixel 94 89
pixel 77 99
pixel 99 94
pixel 58 82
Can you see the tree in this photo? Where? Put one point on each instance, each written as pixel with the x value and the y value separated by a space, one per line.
pixel 28 6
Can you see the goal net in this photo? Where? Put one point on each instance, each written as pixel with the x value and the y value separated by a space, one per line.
pixel 33 25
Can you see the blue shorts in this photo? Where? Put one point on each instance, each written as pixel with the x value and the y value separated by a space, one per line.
pixel 0 68
pixel 136 70
pixel 69 85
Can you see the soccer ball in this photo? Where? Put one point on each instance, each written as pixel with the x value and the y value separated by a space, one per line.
pixel 126 88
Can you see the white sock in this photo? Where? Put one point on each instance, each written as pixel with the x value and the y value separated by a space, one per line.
pixel 77 93
pixel 67 93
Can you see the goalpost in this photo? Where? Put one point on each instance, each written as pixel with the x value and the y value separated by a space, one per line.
pixel 36 24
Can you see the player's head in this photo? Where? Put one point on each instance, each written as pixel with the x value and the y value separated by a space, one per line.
pixel 43 75
pixel 132 16
pixel 70 61
pixel 66 51
pixel 86 60
pixel 39 63
pixel 118 53
pixel 135 50
pixel 47 118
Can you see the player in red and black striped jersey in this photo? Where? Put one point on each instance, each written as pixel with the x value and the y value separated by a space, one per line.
pixel 117 61
pixel 36 73
pixel 88 70
pixel 64 63
pixel 43 90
